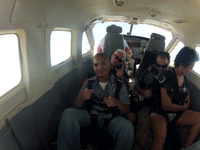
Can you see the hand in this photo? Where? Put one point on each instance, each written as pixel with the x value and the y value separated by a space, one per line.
pixel 185 106
pixel 87 93
pixel 187 101
pixel 147 93
pixel 110 101
pixel 120 73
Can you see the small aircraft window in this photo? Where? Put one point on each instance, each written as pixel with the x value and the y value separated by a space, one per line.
pixel 85 44
pixel 60 46
pixel 197 64
pixel 175 52
pixel 9 62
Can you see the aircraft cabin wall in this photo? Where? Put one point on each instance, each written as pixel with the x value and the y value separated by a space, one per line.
pixel 46 91
pixel 35 106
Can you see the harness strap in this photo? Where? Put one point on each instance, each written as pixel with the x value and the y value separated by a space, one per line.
pixel 114 110
pixel 90 84
pixel 162 80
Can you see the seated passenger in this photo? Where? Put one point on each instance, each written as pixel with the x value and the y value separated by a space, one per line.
pixel 115 64
pixel 124 46
pixel 175 101
pixel 148 85
pixel 98 99
pixel 117 68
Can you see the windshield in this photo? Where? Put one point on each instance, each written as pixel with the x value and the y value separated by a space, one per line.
pixel 143 30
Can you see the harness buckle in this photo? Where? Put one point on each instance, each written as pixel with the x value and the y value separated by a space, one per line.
pixel 160 78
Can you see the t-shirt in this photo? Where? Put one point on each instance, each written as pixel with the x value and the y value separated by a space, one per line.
pixel 179 93
pixel 100 94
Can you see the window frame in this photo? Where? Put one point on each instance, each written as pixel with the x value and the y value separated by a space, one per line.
pixel 88 52
pixel 197 74
pixel 173 46
pixel 67 60
pixel 15 99
pixel 20 63
pixel 58 71
pixel 194 76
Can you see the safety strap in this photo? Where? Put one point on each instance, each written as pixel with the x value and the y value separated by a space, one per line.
pixel 114 110
pixel 90 84
pixel 117 90
pixel 118 87
pixel 162 80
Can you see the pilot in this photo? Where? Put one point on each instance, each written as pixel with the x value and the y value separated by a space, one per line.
pixel 103 98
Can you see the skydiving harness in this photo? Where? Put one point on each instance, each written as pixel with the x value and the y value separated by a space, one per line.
pixel 173 138
pixel 113 110
pixel 149 79
pixel 162 80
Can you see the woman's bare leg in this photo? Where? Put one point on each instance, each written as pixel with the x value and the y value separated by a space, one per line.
pixel 190 118
pixel 159 127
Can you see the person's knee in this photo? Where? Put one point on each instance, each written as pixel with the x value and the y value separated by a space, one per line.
pixel 127 128
pixel 160 134
pixel 131 117
pixel 67 113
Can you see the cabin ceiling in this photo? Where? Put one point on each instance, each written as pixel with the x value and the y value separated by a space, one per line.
pixel 181 16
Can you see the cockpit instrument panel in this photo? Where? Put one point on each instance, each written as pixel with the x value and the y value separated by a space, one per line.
pixel 137 45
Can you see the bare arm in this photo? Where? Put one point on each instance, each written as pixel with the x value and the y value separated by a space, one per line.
pixel 126 82
pixel 187 99
pixel 146 93
pixel 168 105
pixel 120 74
pixel 139 89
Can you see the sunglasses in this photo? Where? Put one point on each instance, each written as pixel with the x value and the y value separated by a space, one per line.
pixel 163 66
pixel 117 58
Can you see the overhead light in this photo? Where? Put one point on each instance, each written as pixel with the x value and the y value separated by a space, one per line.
pixel 153 14
pixel 120 2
